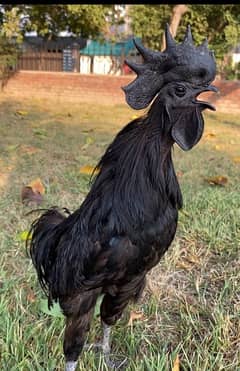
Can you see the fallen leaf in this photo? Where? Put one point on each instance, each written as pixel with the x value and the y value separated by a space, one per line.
pixel 28 196
pixel 217 180
pixel 217 147
pixel 37 186
pixel 33 192
pixel 22 113
pixel 176 364
pixel 236 160
pixel 210 135
pixel 134 316
pixel 22 236
pixel 88 170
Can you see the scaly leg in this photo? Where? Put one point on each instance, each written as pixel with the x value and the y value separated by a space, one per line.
pixel 106 338
pixel 71 366
pixel 105 344
pixel 105 347
pixel 112 308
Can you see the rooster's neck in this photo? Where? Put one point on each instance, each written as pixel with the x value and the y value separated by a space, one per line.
pixel 136 182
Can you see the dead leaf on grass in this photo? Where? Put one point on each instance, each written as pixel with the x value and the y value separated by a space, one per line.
pixel 33 192
pixel 217 180
pixel 23 235
pixel 176 365
pixel 210 135
pixel 37 186
pixel 88 170
pixel 22 113
pixel 134 316
pixel 28 196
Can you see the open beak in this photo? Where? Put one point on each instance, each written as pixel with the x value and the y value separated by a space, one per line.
pixel 203 104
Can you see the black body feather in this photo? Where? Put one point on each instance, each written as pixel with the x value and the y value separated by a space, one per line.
pixel 125 224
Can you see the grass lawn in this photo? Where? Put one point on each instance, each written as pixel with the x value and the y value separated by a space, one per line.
pixel 190 310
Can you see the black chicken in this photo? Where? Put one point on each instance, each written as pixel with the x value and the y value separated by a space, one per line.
pixel 129 217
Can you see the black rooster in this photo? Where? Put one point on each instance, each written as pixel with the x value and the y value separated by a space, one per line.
pixel 129 217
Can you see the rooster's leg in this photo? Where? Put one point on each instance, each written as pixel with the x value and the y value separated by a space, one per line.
pixel 74 338
pixel 106 338
pixel 107 348
pixel 103 346
pixel 79 312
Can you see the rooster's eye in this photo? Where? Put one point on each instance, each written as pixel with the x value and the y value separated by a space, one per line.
pixel 180 90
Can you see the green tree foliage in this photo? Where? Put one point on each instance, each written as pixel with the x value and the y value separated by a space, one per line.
pixel 219 23
pixel 48 20
pixel 148 22
pixel 10 39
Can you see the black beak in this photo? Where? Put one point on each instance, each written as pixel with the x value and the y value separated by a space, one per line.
pixel 203 104
pixel 211 88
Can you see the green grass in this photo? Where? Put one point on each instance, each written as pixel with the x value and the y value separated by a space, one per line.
pixel 191 303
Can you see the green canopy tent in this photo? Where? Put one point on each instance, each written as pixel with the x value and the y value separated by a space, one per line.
pixel 122 48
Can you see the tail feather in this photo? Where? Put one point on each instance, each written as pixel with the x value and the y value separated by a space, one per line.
pixel 42 242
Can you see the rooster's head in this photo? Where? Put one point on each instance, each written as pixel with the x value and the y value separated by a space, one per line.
pixel 176 77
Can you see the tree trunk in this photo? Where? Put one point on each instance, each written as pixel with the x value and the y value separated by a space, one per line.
pixel 178 12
